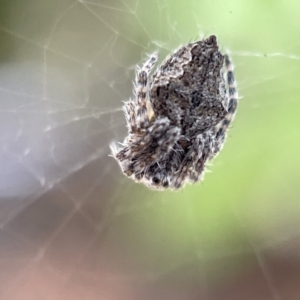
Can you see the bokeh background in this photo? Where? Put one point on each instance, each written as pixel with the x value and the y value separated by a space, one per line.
pixel 73 227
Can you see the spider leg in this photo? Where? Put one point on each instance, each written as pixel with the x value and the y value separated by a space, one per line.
pixel 136 112
pixel 193 163
pixel 130 115
pixel 150 148
pixel 205 150
pixel 221 129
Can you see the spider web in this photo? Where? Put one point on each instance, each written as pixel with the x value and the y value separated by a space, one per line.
pixel 73 227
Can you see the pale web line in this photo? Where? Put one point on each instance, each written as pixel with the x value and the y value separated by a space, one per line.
pixel 67 56
pixel 243 86
pixel 110 27
pixel 264 269
pixel 197 249
pixel 96 114
pixel 38 257
pixel 19 158
pixel 42 250
pixel 58 20
pixel 129 8
pixel 265 55
pixel 100 228
pixel 42 47
pixel 45 98
pixel 138 19
pixel 131 12
pixel 49 185
pixel 19 93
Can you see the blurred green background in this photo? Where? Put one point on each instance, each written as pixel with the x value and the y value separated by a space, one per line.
pixel 72 226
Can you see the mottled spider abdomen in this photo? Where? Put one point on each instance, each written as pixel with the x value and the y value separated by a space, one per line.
pixel 189 87
pixel 192 105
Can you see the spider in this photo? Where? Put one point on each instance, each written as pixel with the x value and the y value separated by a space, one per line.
pixel 179 117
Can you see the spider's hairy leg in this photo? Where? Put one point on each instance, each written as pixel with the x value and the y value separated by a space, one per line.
pixel 193 163
pixel 141 90
pixel 142 151
pixel 221 129
pixel 205 151
pixel 136 112
pixel 130 116
pixel 157 141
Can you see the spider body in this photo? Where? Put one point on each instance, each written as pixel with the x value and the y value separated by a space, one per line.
pixel 172 137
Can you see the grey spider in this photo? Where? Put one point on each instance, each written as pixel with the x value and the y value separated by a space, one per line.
pixel 179 118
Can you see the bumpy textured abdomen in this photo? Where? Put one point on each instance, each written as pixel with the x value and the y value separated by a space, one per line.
pixel 189 87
